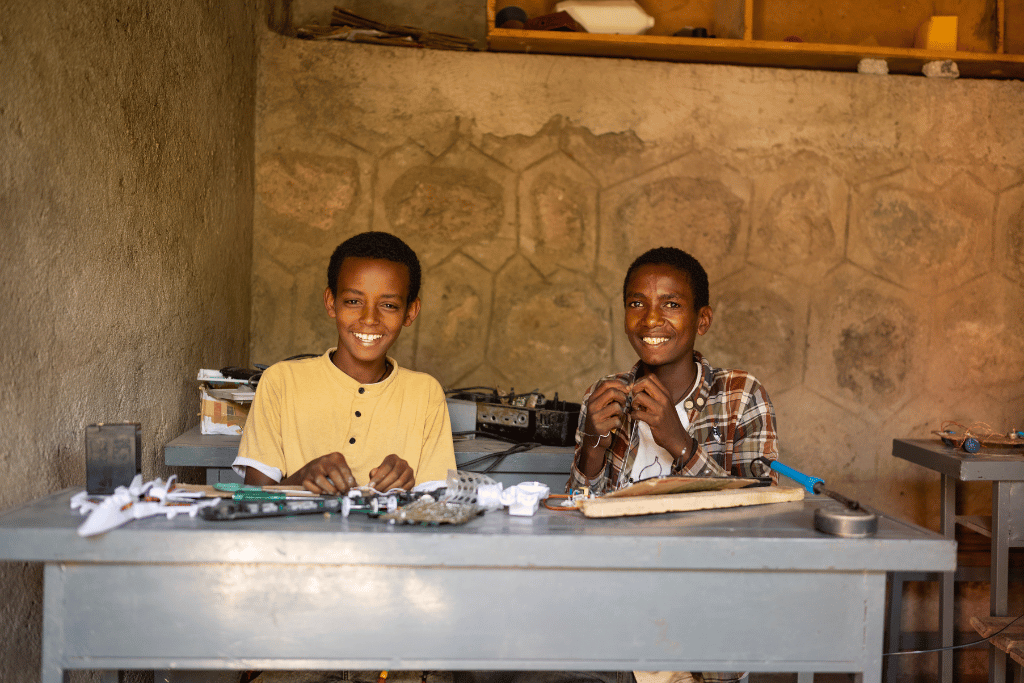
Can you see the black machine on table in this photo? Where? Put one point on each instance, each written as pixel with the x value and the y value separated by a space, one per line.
pixel 522 418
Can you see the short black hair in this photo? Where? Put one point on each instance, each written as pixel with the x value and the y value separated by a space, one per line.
pixel 376 245
pixel 681 261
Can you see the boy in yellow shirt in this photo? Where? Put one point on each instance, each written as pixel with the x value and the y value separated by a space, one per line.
pixel 352 416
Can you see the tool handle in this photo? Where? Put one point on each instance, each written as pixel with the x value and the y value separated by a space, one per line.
pixel 259 496
pixel 804 480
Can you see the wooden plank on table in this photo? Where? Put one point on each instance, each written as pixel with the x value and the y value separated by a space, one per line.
pixel 685 502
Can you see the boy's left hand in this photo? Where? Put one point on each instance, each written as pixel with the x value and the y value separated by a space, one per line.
pixel 392 473
pixel 652 404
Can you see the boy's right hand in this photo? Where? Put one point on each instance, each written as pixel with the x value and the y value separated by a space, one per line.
pixel 327 474
pixel 606 409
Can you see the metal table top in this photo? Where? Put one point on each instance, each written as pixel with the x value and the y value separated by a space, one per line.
pixel 989 464
pixel 777 537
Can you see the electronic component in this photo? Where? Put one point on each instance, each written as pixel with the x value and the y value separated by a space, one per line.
pixel 249 507
pixel 523 417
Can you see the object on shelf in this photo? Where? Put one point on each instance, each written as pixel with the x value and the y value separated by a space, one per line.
pixel 510 17
pixel 608 16
pixel 692 32
pixel 556 21
pixel 753 34
pixel 945 68
pixel 224 399
pixel 872 66
pixel 938 33
pixel 351 27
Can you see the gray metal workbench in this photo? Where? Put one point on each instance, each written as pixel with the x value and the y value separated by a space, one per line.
pixel 1004 467
pixel 547 464
pixel 754 588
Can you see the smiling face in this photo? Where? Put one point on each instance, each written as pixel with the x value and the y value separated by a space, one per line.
pixel 661 322
pixel 370 311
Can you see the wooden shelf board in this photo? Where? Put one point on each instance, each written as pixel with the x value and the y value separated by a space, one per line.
pixel 978 523
pixel 983 525
pixel 749 52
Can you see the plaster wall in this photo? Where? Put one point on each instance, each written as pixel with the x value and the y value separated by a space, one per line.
pixel 126 181
pixel 863 234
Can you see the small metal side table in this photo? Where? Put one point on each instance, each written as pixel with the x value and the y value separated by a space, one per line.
pixel 1004 467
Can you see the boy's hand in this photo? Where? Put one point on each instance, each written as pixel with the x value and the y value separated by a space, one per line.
pixel 652 404
pixel 605 411
pixel 605 408
pixel 327 474
pixel 392 473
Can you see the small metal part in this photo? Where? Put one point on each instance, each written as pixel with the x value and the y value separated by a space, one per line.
pixel 845 522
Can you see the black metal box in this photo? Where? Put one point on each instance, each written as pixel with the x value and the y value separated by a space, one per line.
pixel 113 456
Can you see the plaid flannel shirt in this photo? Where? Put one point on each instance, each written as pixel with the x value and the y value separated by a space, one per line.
pixel 735 426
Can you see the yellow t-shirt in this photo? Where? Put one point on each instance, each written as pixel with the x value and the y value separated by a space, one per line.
pixel 307 408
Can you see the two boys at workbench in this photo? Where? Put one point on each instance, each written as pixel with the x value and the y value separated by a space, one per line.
pixel 353 416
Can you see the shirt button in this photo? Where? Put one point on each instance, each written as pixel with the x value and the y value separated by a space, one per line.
pixel 352 440
pixel 358 414
pixel 362 390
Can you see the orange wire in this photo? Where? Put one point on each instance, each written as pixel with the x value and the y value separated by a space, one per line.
pixel 560 508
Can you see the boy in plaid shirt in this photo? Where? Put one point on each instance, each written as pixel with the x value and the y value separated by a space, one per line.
pixel 672 413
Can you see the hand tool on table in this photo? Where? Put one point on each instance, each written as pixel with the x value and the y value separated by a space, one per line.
pixel 852 520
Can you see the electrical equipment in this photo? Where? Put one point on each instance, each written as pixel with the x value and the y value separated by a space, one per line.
pixel 522 417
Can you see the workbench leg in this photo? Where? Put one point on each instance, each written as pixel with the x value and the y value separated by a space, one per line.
pixel 874 628
pixel 998 603
pixel 805 677
pixel 53 625
pixel 895 627
pixel 946 595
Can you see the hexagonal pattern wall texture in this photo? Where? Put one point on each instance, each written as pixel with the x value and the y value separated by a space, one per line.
pixel 865 268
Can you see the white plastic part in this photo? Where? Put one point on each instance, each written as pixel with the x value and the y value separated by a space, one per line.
pixel 524 499
pixel 608 16
pixel 941 69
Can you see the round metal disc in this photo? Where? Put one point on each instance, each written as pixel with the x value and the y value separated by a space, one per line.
pixel 844 522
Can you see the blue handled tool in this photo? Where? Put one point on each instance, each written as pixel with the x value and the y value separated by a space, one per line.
pixel 804 480
pixel 852 522
pixel 812 484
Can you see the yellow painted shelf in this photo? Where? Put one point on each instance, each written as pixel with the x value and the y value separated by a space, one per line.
pixel 834 35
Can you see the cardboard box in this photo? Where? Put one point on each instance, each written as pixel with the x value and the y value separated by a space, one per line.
pixel 219 414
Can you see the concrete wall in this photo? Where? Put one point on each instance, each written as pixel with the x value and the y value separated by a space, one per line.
pixel 126 176
pixel 863 234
